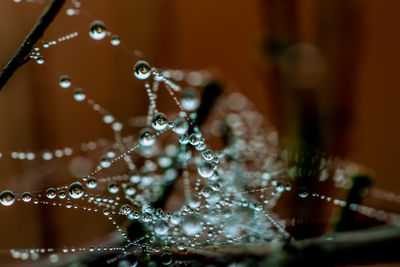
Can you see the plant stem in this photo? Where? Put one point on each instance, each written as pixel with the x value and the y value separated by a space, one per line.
pixel 21 55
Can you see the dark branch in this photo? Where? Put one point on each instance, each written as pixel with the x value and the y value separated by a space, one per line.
pixel 21 56
pixel 375 245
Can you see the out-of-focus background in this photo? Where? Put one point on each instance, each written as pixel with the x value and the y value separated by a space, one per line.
pixel 335 60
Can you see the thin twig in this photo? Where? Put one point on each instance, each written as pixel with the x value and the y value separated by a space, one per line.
pixel 21 56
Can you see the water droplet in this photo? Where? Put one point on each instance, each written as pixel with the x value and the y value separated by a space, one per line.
pixel 117 126
pixel 280 187
pixel 166 258
pixel 146 217
pixel 206 169
pixel 159 122
pixel 160 227
pixel 106 212
pixel 126 209
pixel 194 139
pixel 62 195
pixel 165 161
pixel 79 94
pixel 258 206
pixel 115 40
pixel 26 197
pixel 201 146
pixel 176 217
pixel 288 187
pixel 70 11
pixel 51 193
pixel 135 178
pixel 111 153
pixel 91 183
pixel 184 139
pixel 136 215
pixel 142 70
pixel 147 138
pixel 108 118
pixel 65 82
pixel 97 30
pixel 212 196
pixel 47 156
pixel 76 190
pixel 7 198
pixel 180 126
pixel 208 154
pixel 130 190
pixel 303 193
pixel 113 188
pixel 40 60
pixel 190 99
pixel 265 176
pixel 105 162
pixel 194 201
pixel 206 191
pixel 191 224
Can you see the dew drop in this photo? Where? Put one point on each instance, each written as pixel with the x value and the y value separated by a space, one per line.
pixel 147 138
pixel 208 154
pixel 288 187
pixel 166 258
pixel 7 198
pixel 303 193
pixel 79 94
pixel 70 11
pixel 117 126
pixel 91 183
pixel 111 153
pixel 106 212
pixel 134 178
pixel 40 60
pixel 258 206
pixel 108 118
pixel 206 191
pixel 76 190
pixel 65 82
pixel 126 209
pixel 206 169
pixel 176 217
pixel 105 162
pixel 97 30
pixel 113 188
pixel 191 224
pixel 280 187
pixel 190 99
pixel 130 190
pixel 180 126
pixel 194 139
pixel 26 197
pixel 164 161
pixel 51 193
pixel 184 139
pixel 194 201
pixel 62 195
pixel 115 40
pixel 47 156
pixel 201 146
pixel 142 70
pixel 159 122
pixel 160 227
